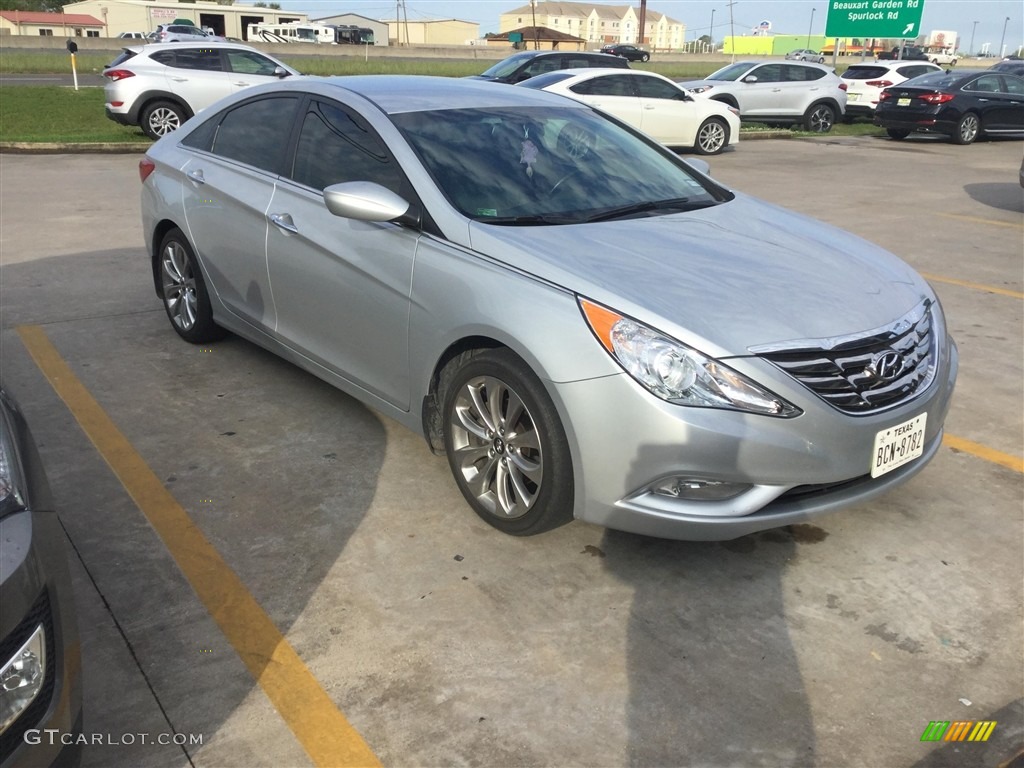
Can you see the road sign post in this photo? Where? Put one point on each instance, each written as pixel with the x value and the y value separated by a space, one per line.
pixel 874 18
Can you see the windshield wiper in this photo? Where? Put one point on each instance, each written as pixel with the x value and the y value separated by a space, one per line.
pixel 526 221
pixel 672 204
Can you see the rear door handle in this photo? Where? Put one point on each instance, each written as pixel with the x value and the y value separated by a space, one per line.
pixel 196 176
pixel 283 221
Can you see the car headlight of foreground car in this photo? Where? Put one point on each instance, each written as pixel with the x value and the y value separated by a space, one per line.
pixel 24 673
pixel 675 372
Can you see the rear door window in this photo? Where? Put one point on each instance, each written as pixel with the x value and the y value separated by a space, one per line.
pixel 256 133
pixel 202 59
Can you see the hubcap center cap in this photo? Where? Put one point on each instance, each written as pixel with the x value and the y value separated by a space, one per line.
pixel 499 445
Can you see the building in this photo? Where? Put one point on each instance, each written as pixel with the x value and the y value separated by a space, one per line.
pixel 433 32
pixel 598 24
pixel 36 24
pixel 144 15
pixel 536 38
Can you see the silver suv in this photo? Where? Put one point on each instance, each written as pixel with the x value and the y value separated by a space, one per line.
pixel 158 87
pixel 778 92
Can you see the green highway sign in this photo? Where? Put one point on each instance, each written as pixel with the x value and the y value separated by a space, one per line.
pixel 874 18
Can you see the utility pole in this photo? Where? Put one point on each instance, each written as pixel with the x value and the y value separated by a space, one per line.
pixel 712 35
pixel 809 28
pixel 970 51
pixel 643 22
pixel 732 32
pixel 1001 39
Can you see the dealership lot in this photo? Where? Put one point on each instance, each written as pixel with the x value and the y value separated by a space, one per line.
pixel 443 642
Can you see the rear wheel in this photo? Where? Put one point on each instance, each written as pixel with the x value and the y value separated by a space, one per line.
pixel 820 118
pixel 645 57
pixel 897 133
pixel 712 136
pixel 967 129
pixel 186 300
pixel 162 117
pixel 505 443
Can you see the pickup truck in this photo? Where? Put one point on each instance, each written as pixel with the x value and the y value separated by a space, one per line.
pixel 941 56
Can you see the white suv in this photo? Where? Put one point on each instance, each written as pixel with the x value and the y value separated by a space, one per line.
pixel 865 82
pixel 778 92
pixel 178 33
pixel 158 87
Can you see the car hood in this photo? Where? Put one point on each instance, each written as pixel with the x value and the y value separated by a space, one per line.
pixel 727 278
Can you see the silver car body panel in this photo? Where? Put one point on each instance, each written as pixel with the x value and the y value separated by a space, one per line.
pixel 372 307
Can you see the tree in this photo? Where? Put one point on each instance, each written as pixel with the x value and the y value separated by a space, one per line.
pixel 51 6
pixel 271 6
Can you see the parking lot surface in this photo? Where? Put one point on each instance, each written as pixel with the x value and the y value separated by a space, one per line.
pixel 286 578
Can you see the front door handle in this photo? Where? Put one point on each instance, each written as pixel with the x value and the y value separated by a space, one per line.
pixel 196 176
pixel 283 221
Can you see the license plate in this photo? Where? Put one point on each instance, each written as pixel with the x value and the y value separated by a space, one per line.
pixel 897 445
pixel 902 102
pixel 853 97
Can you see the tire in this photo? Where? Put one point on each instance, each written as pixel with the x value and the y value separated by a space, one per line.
pixel 967 129
pixel 820 118
pixel 712 136
pixel 645 58
pixel 821 59
pixel 184 293
pixel 505 444
pixel 897 133
pixel 161 118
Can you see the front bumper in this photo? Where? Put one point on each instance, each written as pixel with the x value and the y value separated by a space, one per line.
pixel 797 469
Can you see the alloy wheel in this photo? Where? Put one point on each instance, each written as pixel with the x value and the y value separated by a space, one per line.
pixel 179 286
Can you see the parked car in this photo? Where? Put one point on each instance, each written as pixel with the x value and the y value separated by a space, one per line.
pixel 941 54
pixel 865 82
pixel 132 36
pixel 1009 66
pixel 908 53
pixel 960 105
pixel 581 321
pixel 628 52
pixel 158 87
pixel 527 64
pixel 177 33
pixel 40 664
pixel 778 92
pixel 805 54
pixel 651 103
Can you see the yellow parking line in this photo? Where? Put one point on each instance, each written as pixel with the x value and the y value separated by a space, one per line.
pixel 973 286
pixel 984 452
pixel 990 222
pixel 321 729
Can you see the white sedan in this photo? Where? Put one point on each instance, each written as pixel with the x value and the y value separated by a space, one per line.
pixel 649 102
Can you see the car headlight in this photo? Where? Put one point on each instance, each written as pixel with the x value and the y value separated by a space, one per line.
pixel 675 372
pixel 22 678
pixel 10 498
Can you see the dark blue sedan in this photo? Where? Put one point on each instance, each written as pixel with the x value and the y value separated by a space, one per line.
pixel 961 106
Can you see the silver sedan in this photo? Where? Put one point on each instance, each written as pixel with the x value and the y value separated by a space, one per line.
pixel 585 324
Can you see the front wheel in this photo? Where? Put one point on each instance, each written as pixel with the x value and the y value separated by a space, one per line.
pixel 897 133
pixel 712 136
pixel 162 117
pixel 505 443
pixel 183 289
pixel 967 129
pixel 821 59
pixel 820 118
pixel 645 58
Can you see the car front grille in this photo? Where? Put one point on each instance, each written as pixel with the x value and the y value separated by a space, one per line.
pixel 868 372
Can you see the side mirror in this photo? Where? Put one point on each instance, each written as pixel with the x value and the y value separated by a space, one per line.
pixel 750 79
pixel 364 201
pixel 701 166
pixel 281 72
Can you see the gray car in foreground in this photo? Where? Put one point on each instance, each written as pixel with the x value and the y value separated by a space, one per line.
pixel 582 322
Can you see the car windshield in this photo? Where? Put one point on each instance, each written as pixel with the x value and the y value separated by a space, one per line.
pixel 548 78
pixel 731 73
pixel 549 165
pixel 506 67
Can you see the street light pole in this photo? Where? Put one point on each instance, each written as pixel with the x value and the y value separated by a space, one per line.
pixel 1001 39
pixel 732 32
pixel 712 30
pixel 809 28
pixel 970 50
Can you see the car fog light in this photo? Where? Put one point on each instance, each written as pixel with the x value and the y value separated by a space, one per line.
pixel 22 678
pixel 692 489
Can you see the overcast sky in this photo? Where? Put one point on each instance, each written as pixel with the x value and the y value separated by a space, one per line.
pixel 787 16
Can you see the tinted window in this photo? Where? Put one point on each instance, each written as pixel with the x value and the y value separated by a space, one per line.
pixel 770 73
pixel 656 88
pixel 196 58
pixel 1014 85
pixel 914 70
pixel 732 72
pixel 334 148
pixel 864 73
pixel 543 81
pixel 257 132
pixel 608 85
pixel 250 63
pixel 986 84
pixel 539 66
pixel 800 74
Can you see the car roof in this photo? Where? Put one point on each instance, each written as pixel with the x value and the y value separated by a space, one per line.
pixel 395 94
pixel 892 63
pixel 215 44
